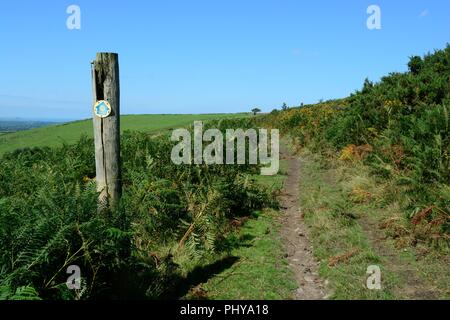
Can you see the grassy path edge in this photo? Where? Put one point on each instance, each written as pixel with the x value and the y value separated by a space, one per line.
pixel 347 239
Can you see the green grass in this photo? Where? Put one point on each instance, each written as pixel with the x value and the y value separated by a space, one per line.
pixel 335 232
pixel 70 132
pixel 342 218
pixel 261 271
pixel 275 181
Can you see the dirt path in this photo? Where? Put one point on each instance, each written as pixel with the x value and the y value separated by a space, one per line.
pixel 295 236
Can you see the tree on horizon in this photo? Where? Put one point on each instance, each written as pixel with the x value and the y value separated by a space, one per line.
pixel 255 111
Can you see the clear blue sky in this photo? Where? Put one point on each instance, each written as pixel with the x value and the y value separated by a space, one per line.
pixel 196 56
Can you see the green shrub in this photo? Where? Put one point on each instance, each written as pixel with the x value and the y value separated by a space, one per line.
pixel 49 218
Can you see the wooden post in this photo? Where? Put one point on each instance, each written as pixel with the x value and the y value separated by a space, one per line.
pixel 105 84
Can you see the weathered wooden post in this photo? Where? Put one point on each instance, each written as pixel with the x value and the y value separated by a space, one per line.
pixel 106 118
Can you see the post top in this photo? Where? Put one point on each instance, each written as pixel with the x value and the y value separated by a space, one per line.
pixel 107 54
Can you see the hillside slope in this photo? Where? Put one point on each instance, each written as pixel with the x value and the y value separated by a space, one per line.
pixel 375 187
pixel 71 132
pixel 399 127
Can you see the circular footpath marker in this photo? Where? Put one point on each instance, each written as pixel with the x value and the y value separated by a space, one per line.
pixel 102 109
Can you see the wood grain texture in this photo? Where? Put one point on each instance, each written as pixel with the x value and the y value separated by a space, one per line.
pixel 106 86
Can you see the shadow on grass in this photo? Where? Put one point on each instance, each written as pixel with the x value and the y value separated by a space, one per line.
pixel 235 242
pixel 198 276
pixel 169 283
pixel 201 274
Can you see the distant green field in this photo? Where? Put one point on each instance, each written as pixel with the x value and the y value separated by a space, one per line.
pixel 70 132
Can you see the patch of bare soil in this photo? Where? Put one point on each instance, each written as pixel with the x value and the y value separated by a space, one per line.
pixel 295 236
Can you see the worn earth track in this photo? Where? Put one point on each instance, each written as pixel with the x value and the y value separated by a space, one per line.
pixel 295 236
